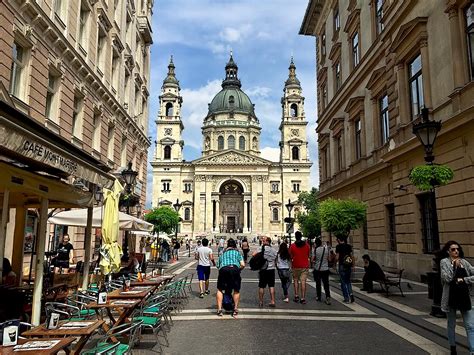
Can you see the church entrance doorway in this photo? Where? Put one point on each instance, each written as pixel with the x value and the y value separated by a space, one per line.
pixel 231 207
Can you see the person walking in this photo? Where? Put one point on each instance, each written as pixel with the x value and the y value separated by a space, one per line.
pixel 229 264
pixel 299 252
pixel 220 246
pixel 205 258
pixel 176 247
pixel 345 262
pixel 65 256
pixel 283 265
pixel 321 257
pixel 245 249
pixel 266 276
pixel 457 277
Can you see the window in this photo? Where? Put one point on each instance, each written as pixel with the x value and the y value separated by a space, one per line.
pixel 115 69
pixel 429 222
pixel 328 163
pixel 242 143
pixel 296 186
pixel 324 95
pixel 323 43
pixel 220 143
pixel 325 163
pixel 126 91
pixel 96 131
pixel 123 154
pixel 187 214
pixel 110 145
pixel 365 235
pixel 384 119
pixel 117 11
pixel 339 153
pixel 275 214
pixel 416 86
pixel 77 117
pixel 294 110
pixel 379 16
pixel 83 25
pixel 357 139
pixel 275 187
pixel 166 186
pixel 337 75
pixel 169 109
pixel 101 41
pixel 231 101
pixel 52 97
pixel 355 50
pixel 295 153
pixel 392 236
pixel 60 9
pixel 231 142
pixel 167 152
pixel 187 187
pixel 469 14
pixel 17 75
pixel 337 19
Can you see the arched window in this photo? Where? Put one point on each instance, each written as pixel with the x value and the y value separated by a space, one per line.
pixel 254 143
pixel 294 110
pixel 231 101
pixel 242 143
pixel 167 151
pixel 169 109
pixel 187 214
pixel 275 214
pixel 220 143
pixel 231 142
pixel 295 153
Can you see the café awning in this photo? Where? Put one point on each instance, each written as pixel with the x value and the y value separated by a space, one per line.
pixel 78 218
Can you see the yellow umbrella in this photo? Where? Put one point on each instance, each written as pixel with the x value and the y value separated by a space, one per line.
pixel 111 251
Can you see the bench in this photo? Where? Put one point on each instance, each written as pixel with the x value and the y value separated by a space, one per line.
pixel 393 278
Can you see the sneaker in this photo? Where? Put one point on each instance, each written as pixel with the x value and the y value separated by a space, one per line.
pixel 346 301
pixel 201 295
pixel 352 299
pixel 219 313
pixel 303 301
pixel 286 300
pixel 207 292
pixel 328 301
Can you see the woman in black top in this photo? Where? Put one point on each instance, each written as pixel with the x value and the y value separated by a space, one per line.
pixel 64 257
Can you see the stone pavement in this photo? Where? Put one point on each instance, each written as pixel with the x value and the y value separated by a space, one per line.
pixel 374 324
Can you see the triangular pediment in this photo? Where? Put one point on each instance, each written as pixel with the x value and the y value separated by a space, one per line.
pixel 165 203
pixel 274 203
pixel 231 157
pixel 187 203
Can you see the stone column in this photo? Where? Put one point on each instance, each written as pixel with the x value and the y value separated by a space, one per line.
pixel 456 49
pixel 404 112
pixel 245 219
pixel 249 213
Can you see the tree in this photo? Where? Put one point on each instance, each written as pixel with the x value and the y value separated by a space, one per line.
pixel 341 216
pixel 164 219
pixel 308 219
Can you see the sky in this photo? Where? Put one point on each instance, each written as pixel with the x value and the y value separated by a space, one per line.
pixel 263 35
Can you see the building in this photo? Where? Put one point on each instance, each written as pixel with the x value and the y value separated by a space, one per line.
pixel 77 74
pixel 230 188
pixel 378 64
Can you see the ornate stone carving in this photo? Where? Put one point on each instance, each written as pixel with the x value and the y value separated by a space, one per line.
pixel 260 178
pixel 295 132
pixel 230 158
pixel 168 131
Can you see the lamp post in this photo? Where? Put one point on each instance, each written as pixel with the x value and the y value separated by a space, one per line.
pixel 130 177
pixel 289 206
pixel 177 206
pixel 427 131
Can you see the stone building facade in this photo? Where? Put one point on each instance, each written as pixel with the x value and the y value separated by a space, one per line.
pixel 81 69
pixel 230 188
pixel 378 64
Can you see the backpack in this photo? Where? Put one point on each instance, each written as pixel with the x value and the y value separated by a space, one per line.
pixel 348 261
pixel 258 261
pixel 228 302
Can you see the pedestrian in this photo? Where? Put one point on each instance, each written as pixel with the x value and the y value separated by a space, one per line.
pixel 176 247
pixel 299 252
pixel 188 247
pixel 457 277
pixel 165 250
pixel 345 261
pixel 373 272
pixel 266 276
pixel 229 264
pixel 64 257
pixel 220 246
pixel 204 257
pixel 321 257
pixel 245 249
pixel 283 265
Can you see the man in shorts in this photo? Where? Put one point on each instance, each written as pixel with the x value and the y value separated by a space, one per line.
pixel 204 257
pixel 299 252
pixel 266 276
pixel 229 264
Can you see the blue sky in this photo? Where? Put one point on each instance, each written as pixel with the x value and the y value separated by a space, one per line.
pixel 262 35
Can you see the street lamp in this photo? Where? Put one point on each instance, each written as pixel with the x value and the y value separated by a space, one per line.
pixel 177 206
pixel 289 206
pixel 130 178
pixel 427 131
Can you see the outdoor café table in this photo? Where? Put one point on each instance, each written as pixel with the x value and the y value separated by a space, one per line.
pixel 125 307
pixel 62 344
pixel 134 292
pixel 63 330
pixel 153 281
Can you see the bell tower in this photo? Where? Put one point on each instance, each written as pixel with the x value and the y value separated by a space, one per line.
pixel 293 143
pixel 169 127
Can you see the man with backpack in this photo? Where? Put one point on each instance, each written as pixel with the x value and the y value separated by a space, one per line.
pixel 266 274
pixel 345 262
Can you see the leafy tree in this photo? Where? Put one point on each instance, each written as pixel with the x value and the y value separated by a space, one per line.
pixel 308 219
pixel 341 216
pixel 164 219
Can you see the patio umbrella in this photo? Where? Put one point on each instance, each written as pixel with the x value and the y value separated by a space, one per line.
pixel 111 251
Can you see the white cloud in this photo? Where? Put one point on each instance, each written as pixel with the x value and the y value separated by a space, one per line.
pixel 270 153
pixel 230 34
pixel 258 91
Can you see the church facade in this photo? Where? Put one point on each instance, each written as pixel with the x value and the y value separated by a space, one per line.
pixel 230 189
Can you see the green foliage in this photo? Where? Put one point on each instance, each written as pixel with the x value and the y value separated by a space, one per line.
pixel 165 219
pixel 341 216
pixel 308 219
pixel 426 177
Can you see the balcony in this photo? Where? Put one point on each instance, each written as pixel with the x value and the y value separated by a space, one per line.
pixel 144 28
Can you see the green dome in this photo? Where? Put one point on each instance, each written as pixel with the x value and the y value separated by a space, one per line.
pixel 231 99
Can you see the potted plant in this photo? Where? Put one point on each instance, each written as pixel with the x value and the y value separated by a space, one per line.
pixel 426 177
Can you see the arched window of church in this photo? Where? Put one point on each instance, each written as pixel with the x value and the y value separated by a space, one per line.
pixel 254 143
pixel 231 101
pixel 169 109
pixel 242 143
pixel 295 153
pixel 167 152
pixel 231 142
pixel 187 214
pixel 220 143
pixel 275 214
pixel 294 110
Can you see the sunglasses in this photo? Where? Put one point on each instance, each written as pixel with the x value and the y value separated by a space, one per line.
pixel 453 249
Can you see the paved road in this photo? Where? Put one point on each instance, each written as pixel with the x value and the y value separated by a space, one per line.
pixel 374 324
